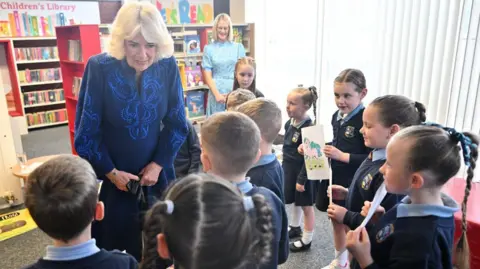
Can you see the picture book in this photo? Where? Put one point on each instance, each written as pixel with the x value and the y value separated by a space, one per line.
pixel 192 44
pixel 195 103
pixel 237 35
pixel 194 76
pixel 315 160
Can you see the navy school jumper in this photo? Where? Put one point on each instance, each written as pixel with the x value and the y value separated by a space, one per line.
pixel 414 236
pixel 119 126
pixel 268 173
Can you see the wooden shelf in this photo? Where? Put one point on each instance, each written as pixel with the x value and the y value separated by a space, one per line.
pixel 194 88
pixel 47 124
pixel 37 61
pixel 29 38
pixel 40 83
pixel 71 62
pixel 45 104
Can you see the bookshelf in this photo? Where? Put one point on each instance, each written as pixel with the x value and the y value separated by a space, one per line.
pixel 76 44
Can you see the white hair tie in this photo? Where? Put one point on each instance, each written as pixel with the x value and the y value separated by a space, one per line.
pixel 170 207
pixel 248 203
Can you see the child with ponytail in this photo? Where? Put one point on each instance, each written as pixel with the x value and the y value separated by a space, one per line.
pixel 180 227
pixel 298 190
pixel 382 119
pixel 418 232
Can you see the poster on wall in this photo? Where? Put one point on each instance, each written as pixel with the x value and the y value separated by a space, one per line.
pixel 186 11
pixel 316 162
pixel 39 18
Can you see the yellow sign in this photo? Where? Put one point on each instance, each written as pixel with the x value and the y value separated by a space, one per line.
pixel 15 223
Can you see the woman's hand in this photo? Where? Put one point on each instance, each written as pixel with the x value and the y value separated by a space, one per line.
pixel 336 154
pixel 220 98
pixel 358 244
pixel 379 212
pixel 338 192
pixel 121 179
pixel 300 149
pixel 300 188
pixel 150 174
pixel 336 213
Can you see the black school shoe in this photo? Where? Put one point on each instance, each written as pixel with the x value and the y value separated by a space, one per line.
pixel 294 232
pixel 304 247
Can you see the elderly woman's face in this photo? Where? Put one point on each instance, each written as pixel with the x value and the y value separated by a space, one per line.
pixel 139 53
pixel 222 30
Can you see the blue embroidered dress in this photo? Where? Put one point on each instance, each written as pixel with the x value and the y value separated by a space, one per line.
pixel 220 58
pixel 120 126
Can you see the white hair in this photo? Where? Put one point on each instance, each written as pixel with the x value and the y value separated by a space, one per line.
pixel 225 17
pixel 144 18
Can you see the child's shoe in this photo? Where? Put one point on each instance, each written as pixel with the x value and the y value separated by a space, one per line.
pixel 335 265
pixel 294 232
pixel 302 247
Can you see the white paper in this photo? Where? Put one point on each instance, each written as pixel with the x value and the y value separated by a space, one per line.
pixel 316 162
pixel 377 199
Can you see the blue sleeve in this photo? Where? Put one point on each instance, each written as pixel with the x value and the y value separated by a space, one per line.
pixel 88 121
pixel 241 50
pixel 207 58
pixel 357 159
pixel 175 128
pixel 353 220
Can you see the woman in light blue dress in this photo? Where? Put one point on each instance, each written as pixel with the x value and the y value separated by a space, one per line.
pixel 218 63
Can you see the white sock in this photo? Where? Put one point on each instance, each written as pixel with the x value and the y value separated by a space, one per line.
pixel 342 258
pixel 297 214
pixel 307 237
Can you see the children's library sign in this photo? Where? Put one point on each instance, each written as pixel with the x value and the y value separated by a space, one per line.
pixel 39 18
pixel 186 11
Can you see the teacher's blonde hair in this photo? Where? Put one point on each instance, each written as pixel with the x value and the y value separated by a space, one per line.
pixel 144 18
pixel 223 17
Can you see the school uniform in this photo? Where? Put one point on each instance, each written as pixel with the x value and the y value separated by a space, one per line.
pixel 85 255
pixel 258 93
pixel 414 236
pixel 347 138
pixel 268 173
pixel 188 157
pixel 365 184
pixel 293 163
pixel 280 241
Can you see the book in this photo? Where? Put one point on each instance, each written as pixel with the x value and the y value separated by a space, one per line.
pixel 192 44
pixel 195 103
pixel 77 82
pixel 36 53
pixel 74 50
pixel 237 35
pixel 194 76
pixel 39 75
pixel 46 117
pixel 43 97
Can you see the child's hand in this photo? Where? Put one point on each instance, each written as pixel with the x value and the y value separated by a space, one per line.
pixel 336 154
pixel 300 188
pixel 358 243
pixel 379 212
pixel 220 98
pixel 336 213
pixel 300 149
pixel 339 192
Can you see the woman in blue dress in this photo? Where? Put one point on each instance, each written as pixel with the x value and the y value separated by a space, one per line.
pixel 130 122
pixel 218 63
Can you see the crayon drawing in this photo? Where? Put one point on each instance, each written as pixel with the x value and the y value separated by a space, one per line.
pixel 316 162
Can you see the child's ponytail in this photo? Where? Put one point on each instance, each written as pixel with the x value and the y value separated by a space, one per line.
pixel 152 227
pixel 263 222
pixel 469 143
pixel 421 111
pixel 314 95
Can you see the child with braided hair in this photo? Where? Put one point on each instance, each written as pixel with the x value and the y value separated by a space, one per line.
pixel 205 222
pixel 418 232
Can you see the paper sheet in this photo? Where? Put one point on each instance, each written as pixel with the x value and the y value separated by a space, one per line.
pixel 316 162
pixel 379 195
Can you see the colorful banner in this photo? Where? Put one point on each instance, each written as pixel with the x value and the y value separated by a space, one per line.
pixel 15 223
pixel 39 18
pixel 186 11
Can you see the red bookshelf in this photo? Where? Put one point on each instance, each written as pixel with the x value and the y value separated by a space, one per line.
pixel 14 102
pixel 89 38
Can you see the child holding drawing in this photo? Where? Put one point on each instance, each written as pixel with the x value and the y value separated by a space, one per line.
pixel 298 189
pixel 418 232
pixel 383 118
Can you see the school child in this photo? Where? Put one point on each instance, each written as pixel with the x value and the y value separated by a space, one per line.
pixel 298 190
pixel 245 76
pixel 383 118
pixel 238 97
pixel 267 171
pixel 180 226
pixel 230 146
pixel 188 157
pixel 418 232
pixel 347 149
pixel 62 198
